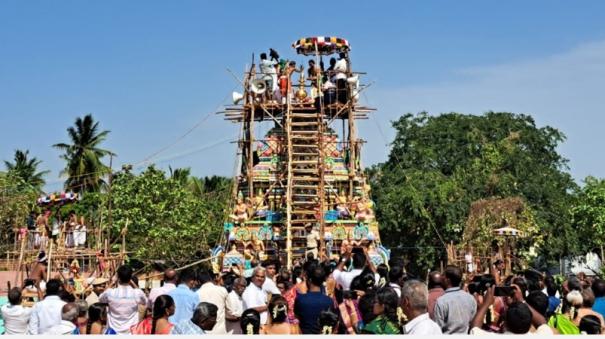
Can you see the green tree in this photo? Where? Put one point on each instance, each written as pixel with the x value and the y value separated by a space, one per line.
pixel 84 167
pixel 439 165
pixel 26 169
pixel 165 219
pixel 16 201
pixel 588 214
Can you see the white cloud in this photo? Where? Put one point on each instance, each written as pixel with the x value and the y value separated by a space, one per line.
pixel 564 90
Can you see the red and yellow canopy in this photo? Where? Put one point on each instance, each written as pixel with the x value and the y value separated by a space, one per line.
pixel 326 45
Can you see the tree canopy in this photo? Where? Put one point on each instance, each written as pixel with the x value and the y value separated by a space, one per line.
pixel 439 165
pixel 26 169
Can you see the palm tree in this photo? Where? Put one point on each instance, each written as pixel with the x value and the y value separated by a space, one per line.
pixel 26 170
pixel 180 175
pixel 84 168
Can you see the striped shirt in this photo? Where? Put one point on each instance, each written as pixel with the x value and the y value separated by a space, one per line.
pixel 124 304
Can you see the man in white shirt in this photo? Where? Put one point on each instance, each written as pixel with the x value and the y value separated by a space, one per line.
pixel 124 302
pixel 170 279
pixel 212 292
pixel 254 296
pixel 268 72
pixel 269 285
pixel 15 316
pixel 234 307
pixel 47 312
pixel 414 303
pixel 69 317
pixel 344 278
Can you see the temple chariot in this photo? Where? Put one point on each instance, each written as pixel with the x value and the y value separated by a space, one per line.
pixel 301 189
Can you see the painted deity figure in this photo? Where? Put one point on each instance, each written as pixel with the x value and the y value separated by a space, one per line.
pixel 240 212
pixel 364 211
pixel 342 205
pixel 258 204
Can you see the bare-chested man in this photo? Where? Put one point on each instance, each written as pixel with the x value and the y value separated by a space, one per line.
pixel 38 273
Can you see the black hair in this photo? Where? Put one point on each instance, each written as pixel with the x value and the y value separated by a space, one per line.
pixel 574 283
pixel 598 287
pixel 160 306
pixel 316 276
pixel 368 280
pixel 366 307
pixel 66 296
pixel 387 297
pixel 14 296
pixel 395 274
pixel 538 301
pixel 95 313
pixel 454 275
pixel 329 319
pixel 522 283
pixel 518 318
pixel 342 55
pixel 124 274
pixel 53 287
pixel 383 271
pixel 250 321
pixel 284 278
pixel 278 310
pixel 359 260
pixel 263 56
pixel 296 273
pixel 187 275
pixel 590 324
pixel 203 276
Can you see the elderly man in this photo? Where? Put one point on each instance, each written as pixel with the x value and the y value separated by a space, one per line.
pixel 235 306
pixel 170 280
pixel 254 296
pixel 15 316
pixel 47 312
pixel 212 292
pixel 203 320
pixel 414 303
pixel 456 308
pixel 69 318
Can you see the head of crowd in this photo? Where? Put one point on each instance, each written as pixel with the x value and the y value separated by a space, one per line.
pixel 345 294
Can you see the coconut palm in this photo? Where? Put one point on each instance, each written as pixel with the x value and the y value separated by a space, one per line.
pixel 84 168
pixel 26 170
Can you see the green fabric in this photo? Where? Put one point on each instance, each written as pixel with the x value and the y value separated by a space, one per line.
pixel 563 324
pixel 382 325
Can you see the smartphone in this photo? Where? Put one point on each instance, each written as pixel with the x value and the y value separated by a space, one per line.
pixel 504 291
pixel 349 294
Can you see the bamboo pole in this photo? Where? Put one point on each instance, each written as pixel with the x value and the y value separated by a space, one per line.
pixel 20 262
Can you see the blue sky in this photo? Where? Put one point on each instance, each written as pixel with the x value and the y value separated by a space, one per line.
pixel 151 70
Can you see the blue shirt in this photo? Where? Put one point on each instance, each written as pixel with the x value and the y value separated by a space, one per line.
pixel 186 327
pixel 553 303
pixel 307 308
pixel 599 306
pixel 185 302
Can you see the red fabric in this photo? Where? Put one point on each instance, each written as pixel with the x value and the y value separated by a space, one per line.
pixel 144 327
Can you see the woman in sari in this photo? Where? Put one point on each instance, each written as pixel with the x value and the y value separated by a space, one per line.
pixel 158 323
pixel 97 320
pixel 385 309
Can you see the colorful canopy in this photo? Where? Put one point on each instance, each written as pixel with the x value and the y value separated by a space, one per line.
pixel 326 45
pixel 508 231
pixel 58 198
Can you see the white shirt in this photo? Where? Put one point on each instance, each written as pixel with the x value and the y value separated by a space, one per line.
pixel 422 325
pixel 267 67
pixel 158 291
pixel 270 287
pixel 15 318
pixel 234 307
pixel 255 297
pixel 344 278
pixel 124 304
pixel 341 68
pixel 543 329
pixel 216 295
pixel 397 289
pixel 64 327
pixel 45 314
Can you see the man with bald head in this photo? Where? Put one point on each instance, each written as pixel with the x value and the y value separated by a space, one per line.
pixel 69 319
pixel 435 290
pixel 170 280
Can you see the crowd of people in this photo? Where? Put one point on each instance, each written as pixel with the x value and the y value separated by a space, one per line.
pixel 348 295
pixel 47 227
